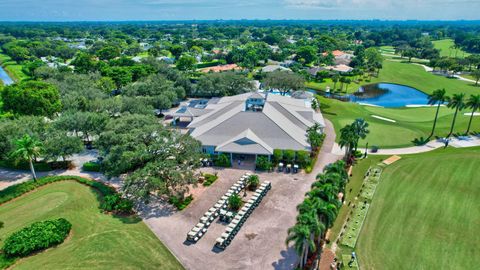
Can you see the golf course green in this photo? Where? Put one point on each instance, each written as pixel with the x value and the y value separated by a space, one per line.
pixel 425 213
pixel 97 240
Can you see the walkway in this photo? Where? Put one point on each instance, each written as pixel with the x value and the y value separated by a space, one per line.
pixel 12 177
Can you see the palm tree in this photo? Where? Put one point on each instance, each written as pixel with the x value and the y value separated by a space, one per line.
pixel 300 235
pixel 27 148
pixel 437 97
pixel 473 103
pixel 327 213
pixel 337 167
pixel 458 102
pixel 335 79
pixel 347 140
pixel 360 127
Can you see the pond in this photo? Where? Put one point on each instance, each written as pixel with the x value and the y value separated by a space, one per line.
pixel 4 77
pixel 389 95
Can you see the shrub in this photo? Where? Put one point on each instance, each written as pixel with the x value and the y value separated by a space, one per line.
pixel 277 155
pixel 222 160
pixel 38 236
pixel 253 181
pixel 303 158
pixel 115 203
pixel 263 163
pixel 289 156
pixel 234 202
pixel 91 166
pixel 209 179
pixel 358 154
pixel 180 203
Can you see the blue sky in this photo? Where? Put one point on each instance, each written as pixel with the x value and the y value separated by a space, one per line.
pixel 73 10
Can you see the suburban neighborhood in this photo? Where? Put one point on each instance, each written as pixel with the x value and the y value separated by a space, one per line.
pixel 203 143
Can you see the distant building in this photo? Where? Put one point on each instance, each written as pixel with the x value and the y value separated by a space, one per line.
pixel 221 68
pixel 272 68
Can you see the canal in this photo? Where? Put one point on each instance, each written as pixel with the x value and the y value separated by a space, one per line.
pixel 4 77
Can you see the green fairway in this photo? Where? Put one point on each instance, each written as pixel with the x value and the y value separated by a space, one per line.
pixel 410 123
pixel 97 240
pixel 412 75
pixel 446 47
pixel 425 214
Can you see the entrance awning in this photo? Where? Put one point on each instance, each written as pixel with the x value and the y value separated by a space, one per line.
pixel 245 143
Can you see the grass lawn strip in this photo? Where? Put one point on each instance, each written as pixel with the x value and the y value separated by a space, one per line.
pixel 355 222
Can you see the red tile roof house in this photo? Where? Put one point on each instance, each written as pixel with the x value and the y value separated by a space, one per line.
pixel 221 68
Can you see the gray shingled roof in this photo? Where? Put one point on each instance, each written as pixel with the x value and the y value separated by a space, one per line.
pixel 281 125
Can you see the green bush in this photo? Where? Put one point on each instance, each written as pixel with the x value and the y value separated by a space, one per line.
pixel 289 156
pixel 115 203
pixel 38 236
pixel 209 179
pixel 253 181
pixel 263 163
pixel 91 166
pixel 180 203
pixel 277 155
pixel 234 202
pixel 303 158
pixel 222 160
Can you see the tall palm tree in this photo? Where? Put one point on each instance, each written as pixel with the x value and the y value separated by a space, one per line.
pixel 27 148
pixel 327 213
pixel 473 103
pixel 437 97
pixel 337 167
pixel 347 140
pixel 360 127
pixel 300 235
pixel 457 101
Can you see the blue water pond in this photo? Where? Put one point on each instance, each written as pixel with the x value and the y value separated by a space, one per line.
pixel 389 95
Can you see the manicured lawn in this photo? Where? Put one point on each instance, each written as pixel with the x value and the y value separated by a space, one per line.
pixel 409 74
pixel 97 241
pixel 446 48
pixel 410 123
pixel 425 214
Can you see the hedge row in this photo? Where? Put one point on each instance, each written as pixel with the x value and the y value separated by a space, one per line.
pixel 91 166
pixel 38 236
pixel 40 166
pixel 17 190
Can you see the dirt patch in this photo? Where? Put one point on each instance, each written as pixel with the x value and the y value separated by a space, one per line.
pixel 326 259
pixel 250 236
